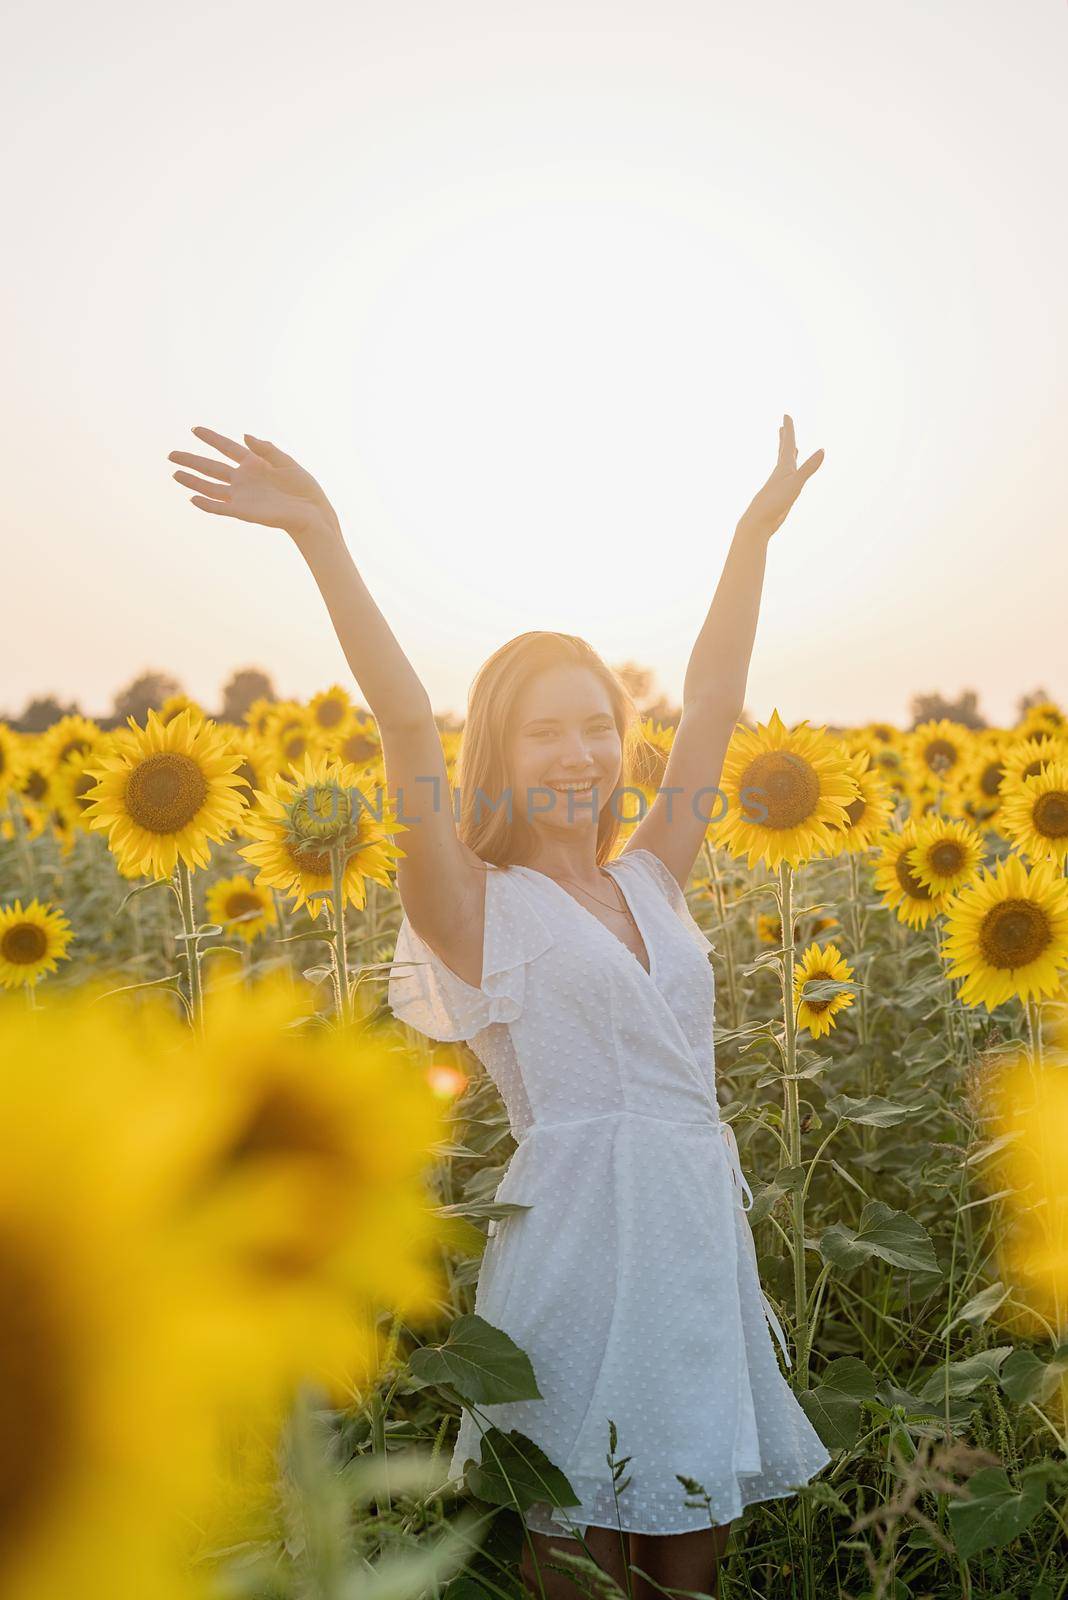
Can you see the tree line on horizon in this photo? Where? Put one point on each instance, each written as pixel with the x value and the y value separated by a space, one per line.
pixel 248 684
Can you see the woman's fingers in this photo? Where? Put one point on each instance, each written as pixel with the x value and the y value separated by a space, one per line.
pixel 807 468
pixel 220 506
pixel 213 469
pixel 215 490
pixel 269 452
pixel 219 441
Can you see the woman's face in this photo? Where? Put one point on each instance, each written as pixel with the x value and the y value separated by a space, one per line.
pixel 564 733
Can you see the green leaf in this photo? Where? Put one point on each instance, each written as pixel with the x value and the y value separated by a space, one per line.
pixel 785 1181
pixel 142 888
pixel 833 1407
pixel 891 1235
pixel 994 1513
pixel 480 1362
pixel 962 1378
pixel 873 1110
pixel 981 1307
pixel 1025 1376
pixel 514 1471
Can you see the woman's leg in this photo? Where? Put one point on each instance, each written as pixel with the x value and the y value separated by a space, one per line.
pixel 603 1546
pixel 678 1560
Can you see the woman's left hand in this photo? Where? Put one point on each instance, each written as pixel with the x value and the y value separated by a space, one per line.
pixel 769 506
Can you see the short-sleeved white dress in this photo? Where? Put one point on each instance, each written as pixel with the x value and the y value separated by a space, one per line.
pixel 631 1283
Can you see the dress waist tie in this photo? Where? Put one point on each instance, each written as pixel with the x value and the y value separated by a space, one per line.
pixel 740 1183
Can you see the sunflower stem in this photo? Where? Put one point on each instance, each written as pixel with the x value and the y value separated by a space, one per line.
pixel 792 1113
pixel 1034 1033
pixel 337 870
pixel 192 946
pixel 18 822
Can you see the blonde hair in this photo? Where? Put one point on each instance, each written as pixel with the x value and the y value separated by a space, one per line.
pixel 497 833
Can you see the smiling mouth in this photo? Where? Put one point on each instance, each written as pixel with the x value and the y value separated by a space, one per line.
pixel 582 786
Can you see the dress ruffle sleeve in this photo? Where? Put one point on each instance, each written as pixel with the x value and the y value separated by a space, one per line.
pixel 668 886
pixel 427 995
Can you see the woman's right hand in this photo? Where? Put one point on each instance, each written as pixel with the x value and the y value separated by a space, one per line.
pixel 258 483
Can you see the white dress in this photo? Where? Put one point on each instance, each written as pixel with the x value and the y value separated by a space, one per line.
pixel 631 1283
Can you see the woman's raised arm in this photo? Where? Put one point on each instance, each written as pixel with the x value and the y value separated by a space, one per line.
pixel 713 693
pixel 442 884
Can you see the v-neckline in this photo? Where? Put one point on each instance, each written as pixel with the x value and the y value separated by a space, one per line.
pixel 643 935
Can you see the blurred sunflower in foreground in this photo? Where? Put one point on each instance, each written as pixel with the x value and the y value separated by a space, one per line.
pixel 188 1232
pixel 1031 1113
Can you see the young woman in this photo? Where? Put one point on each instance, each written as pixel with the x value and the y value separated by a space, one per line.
pixel 583 983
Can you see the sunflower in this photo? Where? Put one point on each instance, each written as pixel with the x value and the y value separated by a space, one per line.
pixel 869 814
pixel 291 737
pixel 358 741
pixel 1031 1122
pixel 978 788
pixel 826 964
pixel 302 1182
pixel 301 819
pixel 1041 720
pixel 240 906
pixel 937 748
pixel 167 792
pixel 903 893
pixel 71 783
pixel 32 942
pixel 769 928
pixel 90 1496
pixel 257 762
pixel 330 708
pixel 72 735
pixel 175 704
pixel 785 790
pixel 1007 933
pixel 1034 814
pixel 35 779
pixel 1026 758
pixel 11 759
pixel 654 743
pixel 258 716
pixel 946 854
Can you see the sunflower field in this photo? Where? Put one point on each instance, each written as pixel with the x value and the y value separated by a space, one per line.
pixel 244 1208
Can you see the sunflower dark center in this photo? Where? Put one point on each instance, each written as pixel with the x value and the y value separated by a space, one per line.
pixel 165 791
pixel 71 746
pixel 282 1123
pixel 358 747
pixel 36 785
pixel 82 786
pixel 940 755
pixel 34 1379
pixel 330 713
pixel 1050 814
pixel 294 746
pixel 1014 933
pixel 783 785
pixel 856 809
pixel 1033 768
pixel 909 881
pixel 817 977
pixel 946 857
pixel 241 902
pixel 24 943
pixel 990 782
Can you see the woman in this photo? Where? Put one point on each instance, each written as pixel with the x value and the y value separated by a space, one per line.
pixel 584 985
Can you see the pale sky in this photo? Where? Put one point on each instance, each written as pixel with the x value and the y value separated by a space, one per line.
pixel 528 287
